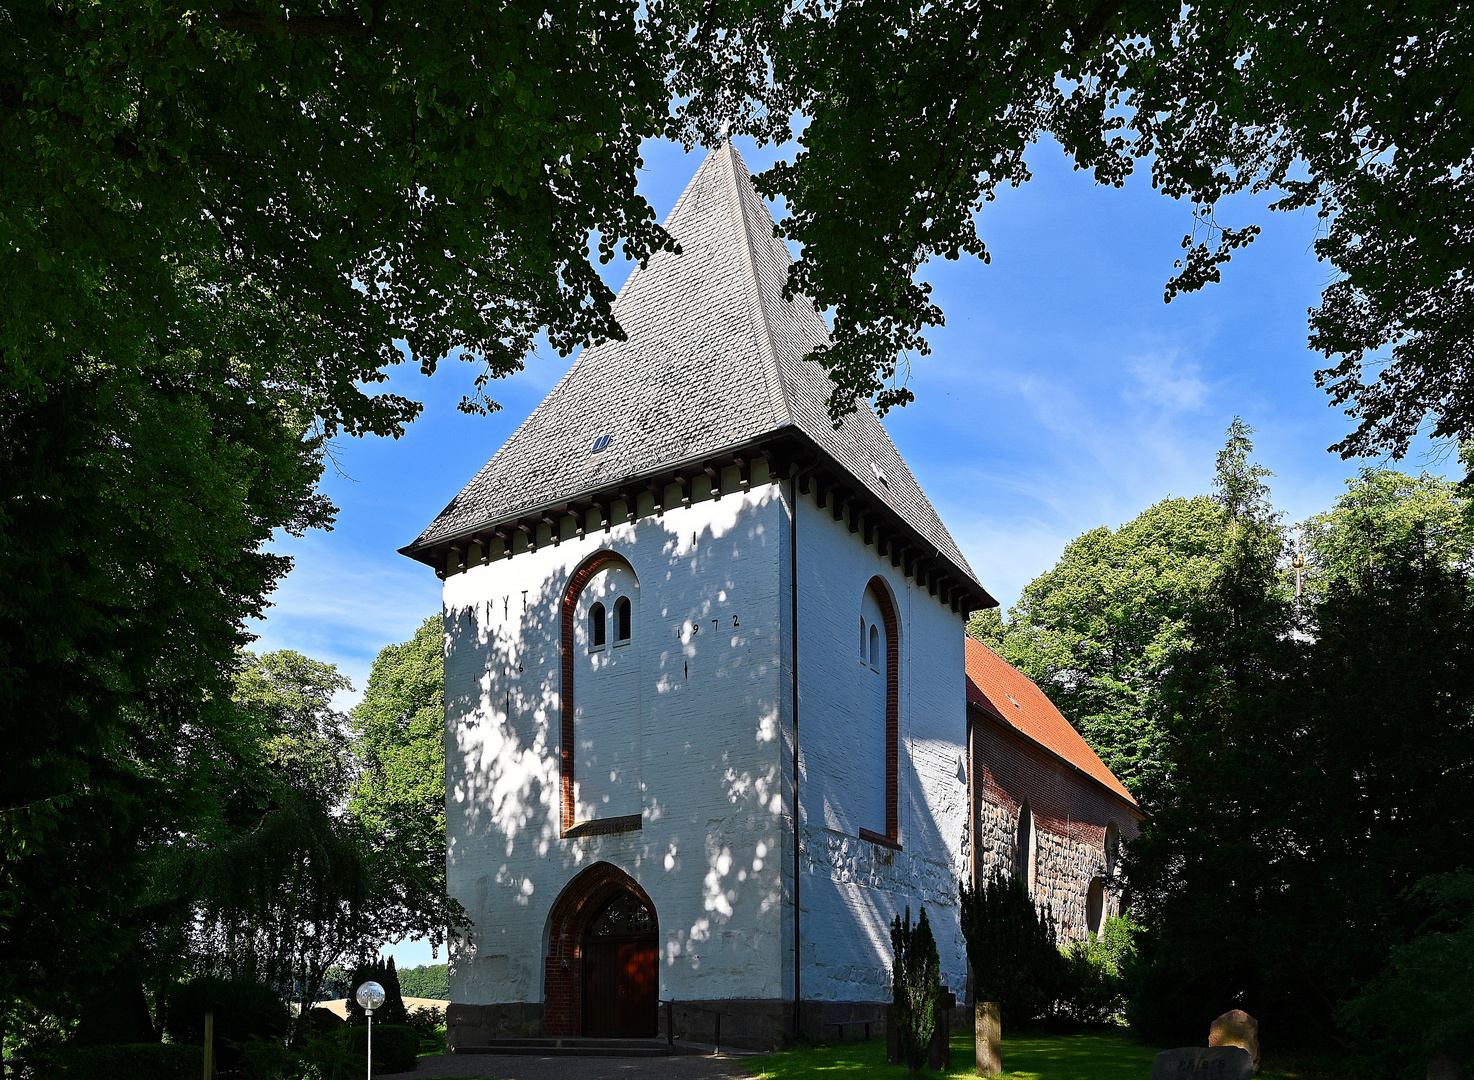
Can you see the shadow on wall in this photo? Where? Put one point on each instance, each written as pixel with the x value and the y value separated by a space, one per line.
pixel 503 644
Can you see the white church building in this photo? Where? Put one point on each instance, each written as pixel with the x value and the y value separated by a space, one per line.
pixel 707 718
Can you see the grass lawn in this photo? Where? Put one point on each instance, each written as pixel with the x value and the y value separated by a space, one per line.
pixel 1025 1057
pixel 1061 1057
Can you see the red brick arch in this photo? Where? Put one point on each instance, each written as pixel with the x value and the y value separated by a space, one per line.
pixel 882 591
pixel 599 560
pixel 575 907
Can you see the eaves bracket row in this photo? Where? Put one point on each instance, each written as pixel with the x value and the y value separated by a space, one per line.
pixel 791 456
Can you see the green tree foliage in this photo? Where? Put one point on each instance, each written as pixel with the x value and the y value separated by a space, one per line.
pixel 217 225
pixel 916 986
pixel 1012 947
pixel 1422 1003
pixel 1099 631
pixel 281 882
pixel 1321 760
pixel 426 981
pixel 399 730
pixel 909 116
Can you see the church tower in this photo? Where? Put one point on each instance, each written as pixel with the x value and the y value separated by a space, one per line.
pixel 706 723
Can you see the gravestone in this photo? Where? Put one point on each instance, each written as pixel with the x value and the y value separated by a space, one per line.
pixel 1445 1067
pixel 1236 1028
pixel 988 1039
pixel 939 1054
pixel 1204 1063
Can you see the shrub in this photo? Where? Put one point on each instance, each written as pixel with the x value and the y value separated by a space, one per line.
pixel 396 1046
pixel 126 1061
pixel 1012 947
pixel 916 983
pixel 427 1021
pixel 383 973
pixel 1093 990
pixel 242 1010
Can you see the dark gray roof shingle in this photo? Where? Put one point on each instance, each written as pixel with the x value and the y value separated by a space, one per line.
pixel 713 359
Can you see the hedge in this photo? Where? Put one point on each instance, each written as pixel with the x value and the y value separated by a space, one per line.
pixel 119 1061
pixel 396 1046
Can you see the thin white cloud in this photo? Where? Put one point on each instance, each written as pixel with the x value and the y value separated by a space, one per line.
pixel 343 606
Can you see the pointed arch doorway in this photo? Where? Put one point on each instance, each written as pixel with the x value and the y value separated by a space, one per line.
pixel 602 977
pixel 620 973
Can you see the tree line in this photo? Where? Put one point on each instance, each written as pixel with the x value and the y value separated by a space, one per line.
pixel 288 842
pixel 1304 762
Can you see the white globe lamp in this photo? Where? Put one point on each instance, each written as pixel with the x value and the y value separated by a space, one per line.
pixel 370 996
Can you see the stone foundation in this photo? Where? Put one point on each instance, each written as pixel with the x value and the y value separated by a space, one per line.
pixel 474 1025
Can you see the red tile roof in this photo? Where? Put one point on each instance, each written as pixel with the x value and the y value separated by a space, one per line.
pixel 996 687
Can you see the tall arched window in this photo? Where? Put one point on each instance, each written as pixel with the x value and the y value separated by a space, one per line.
pixel 1023 851
pixel 871 745
pixel 601 731
pixel 1112 848
pixel 596 626
pixel 1095 906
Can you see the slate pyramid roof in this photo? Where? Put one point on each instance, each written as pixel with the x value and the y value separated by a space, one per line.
pixel 713 360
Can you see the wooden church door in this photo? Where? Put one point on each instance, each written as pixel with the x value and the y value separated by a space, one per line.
pixel 620 975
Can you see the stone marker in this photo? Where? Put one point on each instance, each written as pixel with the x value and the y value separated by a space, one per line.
pixel 988 1039
pixel 939 1054
pixel 1445 1067
pixel 1204 1063
pixel 1236 1028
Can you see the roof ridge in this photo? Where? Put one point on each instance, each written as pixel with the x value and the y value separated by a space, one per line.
pixel 777 396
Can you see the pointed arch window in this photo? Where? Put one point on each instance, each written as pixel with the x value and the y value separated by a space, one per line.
pixel 874 743
pixel 596 627
pixel 600 757
pixel 1023 850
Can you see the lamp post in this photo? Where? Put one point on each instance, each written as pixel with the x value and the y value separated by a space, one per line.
pixel 370 996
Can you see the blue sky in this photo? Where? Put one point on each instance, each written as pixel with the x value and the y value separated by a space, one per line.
pixel 1061 395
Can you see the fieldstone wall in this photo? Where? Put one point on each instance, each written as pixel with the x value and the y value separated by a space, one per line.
pixel 1070 816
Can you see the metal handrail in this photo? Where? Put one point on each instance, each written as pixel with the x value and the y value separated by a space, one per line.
pixel 670 1023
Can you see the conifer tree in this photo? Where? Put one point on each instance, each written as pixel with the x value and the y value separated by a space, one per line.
pixel 383 972
pixel 1012 947
pixel 916 986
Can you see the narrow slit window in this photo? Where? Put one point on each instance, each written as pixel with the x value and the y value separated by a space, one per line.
pixel 596 626
pixel 875 647
pixel 622 619
pixel 862 639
